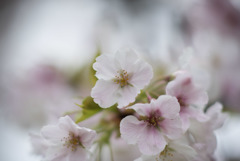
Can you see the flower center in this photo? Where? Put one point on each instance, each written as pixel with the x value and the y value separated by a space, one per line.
pixel 153 120
pixel 72 141
pixel 166 153
pixel 181 101
pixel 122 78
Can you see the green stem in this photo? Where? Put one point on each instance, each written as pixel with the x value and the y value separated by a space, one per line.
pixel 99 153
pixel 111 151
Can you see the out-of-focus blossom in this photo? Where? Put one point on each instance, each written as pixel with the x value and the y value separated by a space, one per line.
pixel 215 15
pixel 43 92
pixel 203 133
pixel 120 78
pixel 64 141
pixel 156 120
pixel 190 97
pixel 174 151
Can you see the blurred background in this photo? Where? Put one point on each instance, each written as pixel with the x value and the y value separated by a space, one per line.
pixel 47 46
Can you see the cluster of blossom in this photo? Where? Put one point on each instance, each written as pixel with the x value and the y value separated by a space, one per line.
pixel 167 118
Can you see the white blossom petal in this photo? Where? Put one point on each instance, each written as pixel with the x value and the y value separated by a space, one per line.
pixel 142 74
pixel 78 155
pixel 216 116
pixel 39 144
pixel 56 153
pixel 87 136
pixel 67 124
pixel 105 93
pixel 184 150
pixel 127 95
pixel 191 112
pixel 126 59
pixel 53 133
pixel 106 67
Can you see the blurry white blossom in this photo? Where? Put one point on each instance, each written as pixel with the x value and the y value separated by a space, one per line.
pixel 120 78
pixel 64 141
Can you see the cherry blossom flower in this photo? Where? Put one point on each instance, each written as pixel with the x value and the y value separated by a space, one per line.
pixel 190 97
pixel 66 141
pixel 120 78
pixel 38 143
pixel 156 122
pixel 174 151
pixel 205 141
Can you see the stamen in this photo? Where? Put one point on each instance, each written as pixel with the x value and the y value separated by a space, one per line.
pixel 154 120
pixel 122 78
pixel 181 101
pixel 166 154
pixel 72 141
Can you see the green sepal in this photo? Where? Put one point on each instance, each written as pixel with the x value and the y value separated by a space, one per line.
pixel 89 108
pixel 141 98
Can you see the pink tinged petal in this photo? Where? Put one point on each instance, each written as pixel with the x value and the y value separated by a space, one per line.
pixel 127 95
pixel 178 86
pixel 131 128
pixel 196 113
pixel 183 88
pixel 172 128
pixel 142 109
pixel 104 93
pixel 197 96
pixel 106 67
pixel 168 106
pixel 79 155
pixel 151 141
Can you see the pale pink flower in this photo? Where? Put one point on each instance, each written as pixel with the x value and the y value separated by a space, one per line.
pixel 39 144
pixel 65 141
pixel 120 78
pixel 174 151
pixel 202 133
pixel 190 97
pixel 155 122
